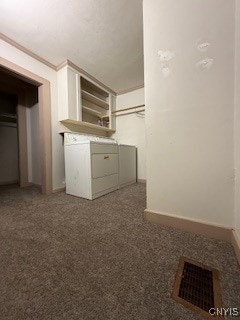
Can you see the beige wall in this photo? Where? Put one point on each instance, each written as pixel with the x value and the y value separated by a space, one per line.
pixel 190 113
pixel 20 58
pixel 237 119
pixel 9 153
pixel 130 128
pixel 33 138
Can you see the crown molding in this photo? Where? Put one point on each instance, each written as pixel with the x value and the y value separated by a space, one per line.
pixel 52 66
pixel 28 52
pixel 131 89
pixel 63 64
pixel 85 73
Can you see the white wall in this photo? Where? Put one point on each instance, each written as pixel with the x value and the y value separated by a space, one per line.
pixel 20 58
pixel 130 128
pixel 237 119
pixel 190 115
pixel 9 153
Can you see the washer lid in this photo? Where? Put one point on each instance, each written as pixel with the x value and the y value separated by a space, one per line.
pixel 73 138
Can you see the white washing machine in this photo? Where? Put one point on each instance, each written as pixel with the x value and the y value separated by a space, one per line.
pixel 91 165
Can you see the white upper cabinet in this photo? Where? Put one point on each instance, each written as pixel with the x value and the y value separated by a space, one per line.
pixel 68 95
pixel 84 103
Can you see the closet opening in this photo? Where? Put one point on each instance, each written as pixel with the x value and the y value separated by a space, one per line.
pixel 19 132
pixel 22 132
pixel 9 164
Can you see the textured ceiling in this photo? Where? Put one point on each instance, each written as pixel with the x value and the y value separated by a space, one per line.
pixel 103 37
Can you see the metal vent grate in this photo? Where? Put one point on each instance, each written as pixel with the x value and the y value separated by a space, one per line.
pixel 197 286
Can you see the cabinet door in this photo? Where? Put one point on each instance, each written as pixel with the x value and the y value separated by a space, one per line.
pixel 73 95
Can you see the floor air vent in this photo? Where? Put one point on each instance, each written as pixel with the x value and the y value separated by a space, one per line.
pixel 197 287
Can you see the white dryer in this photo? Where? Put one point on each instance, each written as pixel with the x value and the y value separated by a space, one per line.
pixel 127 164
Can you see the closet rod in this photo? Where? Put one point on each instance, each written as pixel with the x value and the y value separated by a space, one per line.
pixel 130 108
pixel 129 112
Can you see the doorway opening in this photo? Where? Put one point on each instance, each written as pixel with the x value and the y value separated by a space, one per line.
pixel 9 166
pixel 25 128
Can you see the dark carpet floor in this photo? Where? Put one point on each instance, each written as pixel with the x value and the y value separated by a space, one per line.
pixel 63 257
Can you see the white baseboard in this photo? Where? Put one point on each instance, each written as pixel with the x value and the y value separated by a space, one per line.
pixel 194 226
pixel 210 230
pixel 35 184
pixel 127 184
pixel 59 190
pixel 141 181
pixel 236 244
